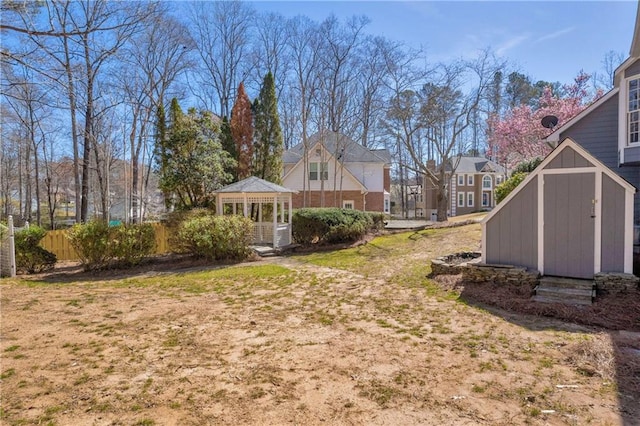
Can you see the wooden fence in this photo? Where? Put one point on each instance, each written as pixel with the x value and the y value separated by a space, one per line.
pixel 58 243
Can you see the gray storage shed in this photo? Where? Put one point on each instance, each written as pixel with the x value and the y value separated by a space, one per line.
pixel 571 217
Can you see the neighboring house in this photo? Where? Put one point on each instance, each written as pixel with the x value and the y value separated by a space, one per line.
pixel 471 187
pixel 574 215
pixel 335 171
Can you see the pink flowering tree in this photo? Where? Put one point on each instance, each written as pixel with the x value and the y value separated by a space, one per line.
pixel 518 136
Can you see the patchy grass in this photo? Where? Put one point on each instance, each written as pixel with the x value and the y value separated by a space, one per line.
pixel 354 336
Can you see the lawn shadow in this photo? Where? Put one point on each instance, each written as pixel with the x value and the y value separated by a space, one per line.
pixel 157 265
pixel 616 315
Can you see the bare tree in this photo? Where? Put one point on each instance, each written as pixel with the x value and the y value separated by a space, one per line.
pixel 80 38
pixel 305 46
pixel 449 102
pixel 158 56
pixel 222 37
pixel 270 52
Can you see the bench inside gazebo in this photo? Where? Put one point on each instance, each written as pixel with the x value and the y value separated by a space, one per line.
pixel 268 204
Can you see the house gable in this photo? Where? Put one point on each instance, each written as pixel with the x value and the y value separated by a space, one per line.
pixel 318 153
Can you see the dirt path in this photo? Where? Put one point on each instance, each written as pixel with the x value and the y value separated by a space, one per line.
pixel 292 343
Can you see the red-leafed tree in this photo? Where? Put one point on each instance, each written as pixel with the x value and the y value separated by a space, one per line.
pixel 242 132
pixel 518 136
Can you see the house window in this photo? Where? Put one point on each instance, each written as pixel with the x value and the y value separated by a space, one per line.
pixel 633 111
pixel 318 152
pixel 486 182
pixel 460 199
pixel 316 169
pixel 347 204
pixel 460 180
pixel 498 180
pixel 485 199
pixel 469 199
pixel 469 180
pixel 386 206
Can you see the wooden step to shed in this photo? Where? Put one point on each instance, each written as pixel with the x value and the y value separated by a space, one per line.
pixel 567 291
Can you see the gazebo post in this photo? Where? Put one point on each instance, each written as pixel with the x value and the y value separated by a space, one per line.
pixel 290 218
pixel 244 204
pixel 275 221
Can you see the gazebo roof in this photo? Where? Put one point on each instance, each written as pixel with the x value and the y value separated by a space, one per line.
pixel 254 185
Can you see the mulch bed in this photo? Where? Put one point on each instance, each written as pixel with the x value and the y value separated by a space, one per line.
pixel 613 312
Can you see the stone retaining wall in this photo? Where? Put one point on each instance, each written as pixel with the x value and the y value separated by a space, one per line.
pixel 474 271
pixel 500 274
pixel 614 283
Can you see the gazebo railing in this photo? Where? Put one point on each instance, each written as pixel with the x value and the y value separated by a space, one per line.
pixel 263 234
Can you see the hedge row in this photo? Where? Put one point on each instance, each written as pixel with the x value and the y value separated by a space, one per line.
pixel 333 225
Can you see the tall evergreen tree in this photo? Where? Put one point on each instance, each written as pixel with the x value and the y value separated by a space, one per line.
pixel 242 132
pixel 195 161
pixel 160 148
pixel 268 148
pixel 226 139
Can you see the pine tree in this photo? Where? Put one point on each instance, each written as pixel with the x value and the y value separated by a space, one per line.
pixel 269 145
pixel 242 132
pixel 226 139
pixel 160 150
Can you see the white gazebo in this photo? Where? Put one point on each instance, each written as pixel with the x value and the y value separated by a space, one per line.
pixel 253 193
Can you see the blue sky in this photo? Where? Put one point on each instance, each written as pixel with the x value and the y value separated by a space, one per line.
pixel 546 40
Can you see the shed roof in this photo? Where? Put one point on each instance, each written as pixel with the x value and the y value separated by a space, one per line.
pixel 254 184
pixel 338 144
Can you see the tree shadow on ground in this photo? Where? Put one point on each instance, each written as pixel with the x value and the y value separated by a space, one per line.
pixel 616 315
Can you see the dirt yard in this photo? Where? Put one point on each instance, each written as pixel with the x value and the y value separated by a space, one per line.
pixel 358 337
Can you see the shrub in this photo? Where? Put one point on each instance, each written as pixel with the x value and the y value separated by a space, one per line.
pixel 99 246
pixel 129 244
pixel 91 242
pixel 30 257
pixel 509 185
pixel 215 237
pixel 330 225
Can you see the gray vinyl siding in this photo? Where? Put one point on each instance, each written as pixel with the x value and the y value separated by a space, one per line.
pixel 598 133
pixel 568 158
pixel 612 259
pixel 633 69
pixel 512 234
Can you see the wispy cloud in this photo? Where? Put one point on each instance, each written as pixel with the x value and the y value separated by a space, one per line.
pixel 555 34
pixel 510 44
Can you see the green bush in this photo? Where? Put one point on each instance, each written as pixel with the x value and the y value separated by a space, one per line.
pixel 91 242
pixel 99 246
pixel 215 237
pixel 330 225
pixel 30 257
pixel 509 185
pixel 129 244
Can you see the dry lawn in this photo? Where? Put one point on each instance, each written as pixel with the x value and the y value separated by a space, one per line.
pixel 357 336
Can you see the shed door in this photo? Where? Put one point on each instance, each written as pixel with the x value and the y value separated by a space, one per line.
pixel 569 225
